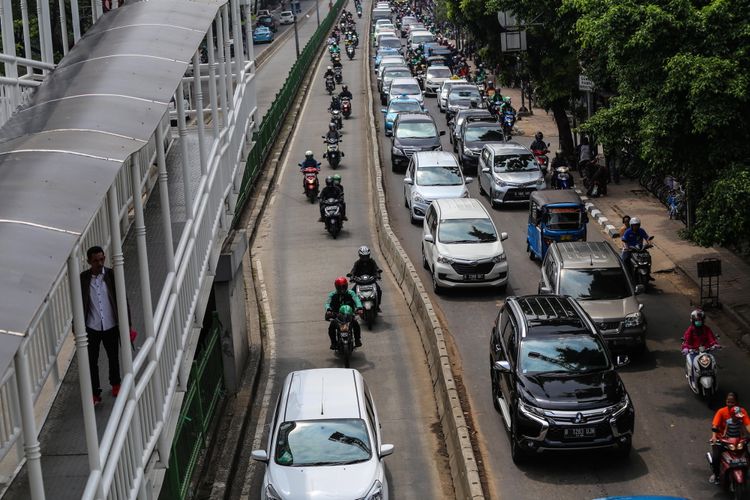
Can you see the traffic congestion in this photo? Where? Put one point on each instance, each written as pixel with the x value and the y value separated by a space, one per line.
pixel 574 358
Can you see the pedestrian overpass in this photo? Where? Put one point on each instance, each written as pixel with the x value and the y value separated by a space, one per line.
pixel 129 130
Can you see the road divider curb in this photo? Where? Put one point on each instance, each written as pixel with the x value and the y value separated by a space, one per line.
pixel 463 465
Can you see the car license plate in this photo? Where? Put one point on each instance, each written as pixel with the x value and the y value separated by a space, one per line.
pixel 566 237
pixel 735 462
pixel 473 277
pixel 523 193
pixel 580 432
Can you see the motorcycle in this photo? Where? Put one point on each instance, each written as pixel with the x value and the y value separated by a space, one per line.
pixel 359 12
pixel 330 85
pixel 700 371
pixel 640 263
pixel 509 120
pixel 335 58
pixel 562 178
pixel 337 74
pixel 733 466
pixel 332 154
pixel 366 289
pixel 346 107
pixel 332 217
pixel 312 187
pixel 541 158
pixel 344 327
pixel 336 119
pixel 350 52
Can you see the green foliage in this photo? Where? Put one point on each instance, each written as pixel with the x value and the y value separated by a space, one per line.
pixel 722 214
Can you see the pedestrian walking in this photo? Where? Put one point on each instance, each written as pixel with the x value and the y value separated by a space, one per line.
pixel 100 308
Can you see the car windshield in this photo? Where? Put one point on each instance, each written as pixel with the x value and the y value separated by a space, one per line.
pixel 416 130
pixel 322 442
pixel 399 73
pixel 467 231
pixel 562 354
pixel 390 42
pixel 464 94
pixel 404 106
pixel 439 176
pixel 595 284
pixel 515 163
pixel 562 218
pixel 486 133
pixel 405 88
pixel 438 73
pixel 265 19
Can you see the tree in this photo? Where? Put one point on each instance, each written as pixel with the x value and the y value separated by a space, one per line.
pixel 679 71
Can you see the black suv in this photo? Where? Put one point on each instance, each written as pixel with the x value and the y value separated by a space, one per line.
pixel 268 21
pixel 475 132
pixel 553 379
pixel 413 132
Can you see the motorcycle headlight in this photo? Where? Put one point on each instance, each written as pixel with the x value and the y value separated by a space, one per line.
pixel 443 259
pixel 375 493
pixel 499 258
pixel 634 319
pixel 271 493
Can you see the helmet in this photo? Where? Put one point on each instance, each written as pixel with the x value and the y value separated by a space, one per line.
pixel 308 154
pixel 506 100
pixel 346 311
pixel 697 315
pixel 539 136
pixel 341 284
pixel 329 181
pixel 344 88
pixel 474 104
pixel 329 67
pixel 490 84
pixel 336 179
pixel 364 251
pixel 331 126
pixel 558 153
pixel 635 221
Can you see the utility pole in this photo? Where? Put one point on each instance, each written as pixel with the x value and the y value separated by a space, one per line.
pixel 296 36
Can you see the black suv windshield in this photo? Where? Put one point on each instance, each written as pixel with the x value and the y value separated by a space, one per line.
pixel 562 354
pixel 595 284
pixel 485 133
pixel 416 130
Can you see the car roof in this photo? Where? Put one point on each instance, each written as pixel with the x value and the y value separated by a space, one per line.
pixel 286 12
pixel 547 196
pixel 551 310
pixel 427 159
pixel 403 98
pixel 460 208
pixel 463 113
pixel 415 116
pixel 586 254
pixel 322 393
pixel 438 66
pixel 421 32
pixel 498 148
pixel 481 120
pixel 404 79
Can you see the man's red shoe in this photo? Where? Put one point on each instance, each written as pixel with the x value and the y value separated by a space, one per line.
pixel 115 390
pixel 97 400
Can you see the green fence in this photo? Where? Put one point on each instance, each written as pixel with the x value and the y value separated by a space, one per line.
pixel 264 137
pixel 205 387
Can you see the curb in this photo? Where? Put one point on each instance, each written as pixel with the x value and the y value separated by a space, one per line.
pixel 463 464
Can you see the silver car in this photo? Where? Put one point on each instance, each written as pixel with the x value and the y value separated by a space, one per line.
pixel 325 440
pixel 434 78
pixel 445 89
pixel 508 173
pixel 432 175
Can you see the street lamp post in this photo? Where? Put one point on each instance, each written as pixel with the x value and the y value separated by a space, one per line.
pixel 296 36
pixel 317 11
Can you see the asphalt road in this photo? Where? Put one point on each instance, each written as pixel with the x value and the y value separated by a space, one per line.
pixel 672 426
pixel 299 262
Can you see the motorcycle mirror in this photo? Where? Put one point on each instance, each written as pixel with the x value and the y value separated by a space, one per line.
pixel 621 360
pixel 639 289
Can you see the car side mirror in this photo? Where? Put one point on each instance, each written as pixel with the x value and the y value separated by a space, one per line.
pixel 442 132
pixel 259 456
pixel 639 289
pixel 485 170
pixel 468 180
pixel 408 180
pixel 429 239
pixel 503 236
pixel 501 366
pixel 544 289
pixel 383 110
pixel 385 450
pixel 621 360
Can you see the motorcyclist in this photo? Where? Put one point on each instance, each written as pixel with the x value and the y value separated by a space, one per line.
pixel 345 92
pixel 329 72
pixel 330 191
pixel 339 297
pixel 333 134
pixel 507 106
pixel 309 162
pixel 335 103
pixel 557 162
pixel 539 144
pixel 728 421
pixel 337 182
pixel 633 237
pixel 334 48
pixel 697 335
pixel 365 264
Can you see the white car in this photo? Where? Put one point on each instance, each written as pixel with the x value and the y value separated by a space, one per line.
pixel 286 17
pixel 445 89
pixel 435 77
pixel 508 173
pixel 325 440
pixel 405 87
pixel 432 175
pixel 461 246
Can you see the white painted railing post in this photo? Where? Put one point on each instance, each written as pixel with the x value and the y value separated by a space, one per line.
pixel 222 72
pixel 9 41
pixel 31 446
pixel 227 55
pixel 198 94
pixel 182 130
pixel 212 82
pixel 84 373
pixel 166 214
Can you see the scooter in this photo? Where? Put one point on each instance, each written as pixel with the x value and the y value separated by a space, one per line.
pixel 330 85
pixel 336 119
pixel 700 371
pixel 733 466
pixel 312 186
pixel 344 328
pixel 562 178
pixel 333 154
pixel 337 74
pixel 541 158
pixel 640 263
pixel 346 107
pixel 350 51
pixel 509 120
pixel 332 217
pixel 367 290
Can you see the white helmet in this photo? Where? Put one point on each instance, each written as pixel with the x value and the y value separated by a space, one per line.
pixel 329 67
pixel 364 251
pixel 634 221
pixel 309 153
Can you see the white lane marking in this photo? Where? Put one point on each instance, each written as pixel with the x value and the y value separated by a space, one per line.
pixel 271 352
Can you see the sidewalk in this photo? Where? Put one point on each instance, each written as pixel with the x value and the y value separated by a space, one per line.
pixel 670 251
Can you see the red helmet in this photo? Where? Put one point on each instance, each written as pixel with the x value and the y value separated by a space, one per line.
pixel 341 284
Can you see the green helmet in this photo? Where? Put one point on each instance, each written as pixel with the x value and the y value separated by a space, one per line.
pixel 346 311
pixel 336 179
pixel 506 99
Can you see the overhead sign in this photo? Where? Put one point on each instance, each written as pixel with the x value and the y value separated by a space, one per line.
pixel 585 84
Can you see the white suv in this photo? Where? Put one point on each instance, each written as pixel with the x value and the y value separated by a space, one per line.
pixel 461 246
pixel 325 430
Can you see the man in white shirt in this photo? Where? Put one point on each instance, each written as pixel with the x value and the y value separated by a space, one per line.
pixel 100 308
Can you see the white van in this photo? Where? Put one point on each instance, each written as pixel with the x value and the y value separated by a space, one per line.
pixel 419 37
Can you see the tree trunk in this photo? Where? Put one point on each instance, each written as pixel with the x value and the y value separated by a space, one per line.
pixel 563 129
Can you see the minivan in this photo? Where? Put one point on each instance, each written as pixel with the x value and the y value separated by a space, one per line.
pixel 419 37
pixel 592 273
pixel 461 246
pixel 445 89
pixel 413 132
pixel 432 175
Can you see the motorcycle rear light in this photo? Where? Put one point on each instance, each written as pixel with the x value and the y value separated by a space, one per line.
pixel 731 447
pixel 740 445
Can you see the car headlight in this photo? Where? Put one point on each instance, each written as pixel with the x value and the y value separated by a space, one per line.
pixel 443 259
pixel 540 180
pixel 468 152
pixel 634 319
pixel 375 493
pixel 465 194
pixel 271 493
pixel 502 183
pixel 532 412
pixel 418 198
pixel 620 407
pixel 397 151
pixel 439 147
pixel 499 258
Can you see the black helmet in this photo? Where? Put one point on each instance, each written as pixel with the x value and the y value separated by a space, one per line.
pixel 539 136
pixel 344 88
pixel 329 181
